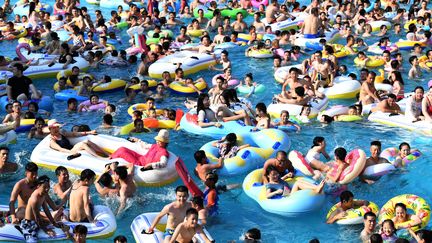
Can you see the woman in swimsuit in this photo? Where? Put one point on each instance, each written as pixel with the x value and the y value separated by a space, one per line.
pixel 277 187
pixel 59 141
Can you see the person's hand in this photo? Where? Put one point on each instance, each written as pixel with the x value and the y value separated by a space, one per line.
pixel 342 215
pixel 147 166
pixel 217 124
pixel 150 230
pixel 14 219
pixel 290 175
pixel 280 191
pixel 92 132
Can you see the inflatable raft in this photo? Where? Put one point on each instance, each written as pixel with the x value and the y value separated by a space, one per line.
pixel 46 157
pixel 105 225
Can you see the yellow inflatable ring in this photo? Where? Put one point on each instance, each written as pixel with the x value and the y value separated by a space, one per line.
pixel 420 207
pixel 152 83
pixel 354 215
pixel 195 33
pixel 374 61
pixel 142 107
pixel 182 88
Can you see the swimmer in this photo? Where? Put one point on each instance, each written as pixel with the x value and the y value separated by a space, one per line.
pixel 375 158
pixel 186 231
pixel 415 71
pixel 282 164
pixel 277 187
pixel 346 202
pixel 284 120
pixel 38 131
pixel 175 211
pixel 81 206
pixel 369 222
pixel 203 167
pixel 22 192
pixel 228 146
pixel 64 183
pixel 198 204
pixel 401 216
pixel 6 167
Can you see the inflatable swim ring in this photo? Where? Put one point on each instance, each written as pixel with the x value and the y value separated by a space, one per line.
pixel 354 215
pixel 417 204
pixel 296 204
pixel 264 144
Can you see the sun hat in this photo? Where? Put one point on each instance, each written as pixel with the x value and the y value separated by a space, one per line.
pixel 163 136
pixel 54 123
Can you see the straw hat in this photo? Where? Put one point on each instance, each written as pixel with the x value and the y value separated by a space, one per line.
pixel 163 136
pixel 54 123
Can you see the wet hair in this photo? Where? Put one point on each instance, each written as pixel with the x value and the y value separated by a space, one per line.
pixel 4 148
pixel 29 115
pixel 106 180
pixel 254 233
pixel 261 107
pixel 300 91
pixel 199 156
pixel 200 102
pixel 198 200
pixel 317 140
pixel 42 179
pixel 80 230
pixel 375 238
pixel 191 211
pixel 136 121
pixel 376 143
pixel 59 170
pixel 314 240
pixel 401 205
pixel 411 59
pixel 108 119
pixel 84 128
pixel 369 214
pixel 231 137
pixel 113 107
pixel 327 119
pixel 87 174
pixel 31 167
pixel 270 169
pixel 182 189
pixel 122 172
pixel 345 196
pixel 120 239
pixel 340 153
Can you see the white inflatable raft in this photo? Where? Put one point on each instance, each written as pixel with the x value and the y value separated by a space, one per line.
pixel 143 222
pixel 317 105
pixel 105 225
pixel 44 156
pixel 401 121
pixel 191 62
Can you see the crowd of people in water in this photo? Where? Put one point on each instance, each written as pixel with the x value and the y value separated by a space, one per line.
pixel 31 206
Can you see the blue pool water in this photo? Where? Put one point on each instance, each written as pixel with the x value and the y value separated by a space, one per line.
pixel 237 211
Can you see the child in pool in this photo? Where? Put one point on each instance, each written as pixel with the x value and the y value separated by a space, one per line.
pixel 198 204
pixel 185 231
pixel 228 147
pixel 361 56
pixel 284 120
pixel 38 130
pixel 415 71
pixel 72 105
pixel 404 151
pixel 263 120
pixel 110 109
pixel 304 114
pixel 136 115
pixel 248 82
pixel 346 202
pixel 388 231
pixel 277 187
pixel 86 87
pixel 211 194
pixel 152 113
pixel 139 126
